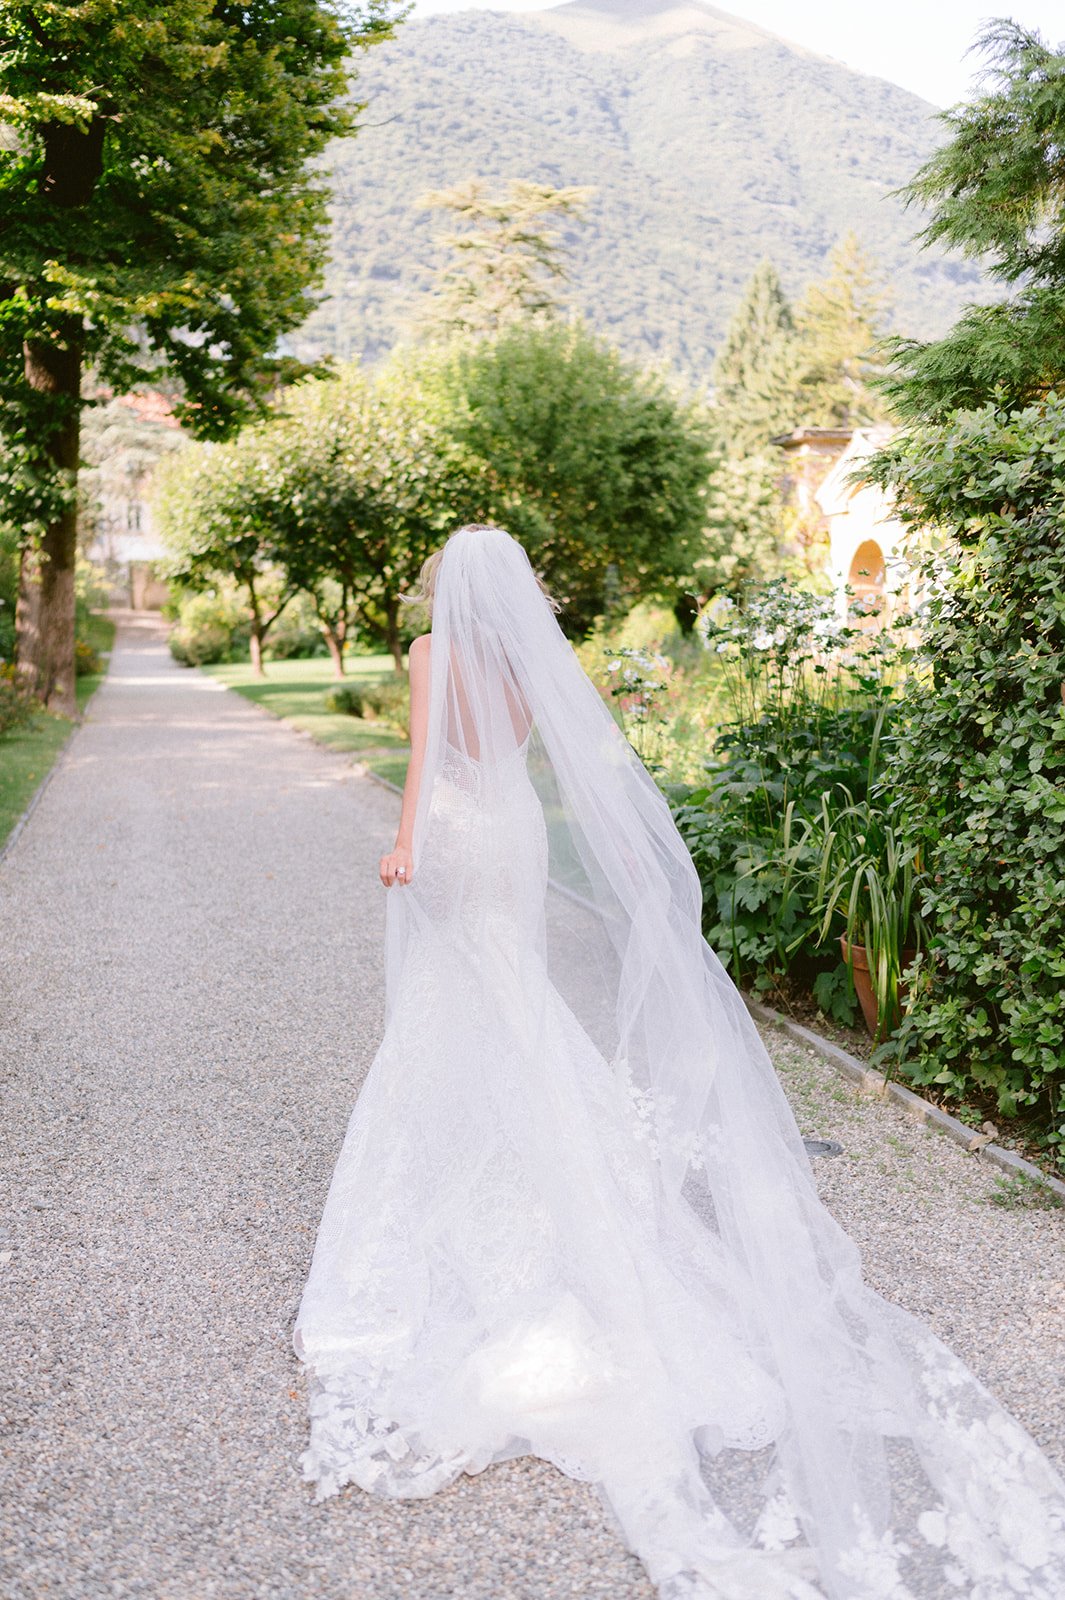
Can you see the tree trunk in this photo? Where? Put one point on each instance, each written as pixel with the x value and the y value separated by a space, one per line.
pixel 334 628
pixel 335 649
pixel 255 643
pixel 44 612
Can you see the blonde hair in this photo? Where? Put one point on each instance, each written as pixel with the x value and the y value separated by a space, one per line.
pixel 422 593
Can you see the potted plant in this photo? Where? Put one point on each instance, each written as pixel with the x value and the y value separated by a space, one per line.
pixel 868 881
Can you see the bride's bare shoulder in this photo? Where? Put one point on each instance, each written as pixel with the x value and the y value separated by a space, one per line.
pixel 419 647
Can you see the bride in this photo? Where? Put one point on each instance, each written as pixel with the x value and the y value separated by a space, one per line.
pixel 573 1216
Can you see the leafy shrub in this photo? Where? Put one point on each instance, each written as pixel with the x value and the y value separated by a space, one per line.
pixel 347 699
pixel 977 765
pixel 210 627
pixel 749 829
pixel 86 659
pixel 91 591
pixel 297 633
pixel 808 694
pixel 18 709
pixel 7 630
pixel 9 568
pixel 378 700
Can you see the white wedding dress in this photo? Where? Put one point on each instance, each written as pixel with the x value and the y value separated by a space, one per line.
pixel 573 1216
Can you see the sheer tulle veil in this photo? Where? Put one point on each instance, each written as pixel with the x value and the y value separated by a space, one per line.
pixel 685 1326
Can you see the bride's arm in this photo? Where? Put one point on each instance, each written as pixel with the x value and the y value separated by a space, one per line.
pixel 398 865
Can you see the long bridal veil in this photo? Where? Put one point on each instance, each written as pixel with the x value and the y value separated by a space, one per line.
pixel 573 1215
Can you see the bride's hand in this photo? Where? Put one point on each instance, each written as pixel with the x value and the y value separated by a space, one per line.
pixel 396 867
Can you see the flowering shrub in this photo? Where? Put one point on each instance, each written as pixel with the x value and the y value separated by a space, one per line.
pixel 807 694
pixel 638 681
pixel 210 627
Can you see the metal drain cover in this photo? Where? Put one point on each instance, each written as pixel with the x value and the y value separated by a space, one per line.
pixel 822 1147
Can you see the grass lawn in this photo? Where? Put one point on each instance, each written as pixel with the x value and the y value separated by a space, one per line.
pixel 296 691
pixel 27 755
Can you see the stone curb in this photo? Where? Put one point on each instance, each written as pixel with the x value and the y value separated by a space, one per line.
pixel 876 1086
pixel 386 783
pixel 60 756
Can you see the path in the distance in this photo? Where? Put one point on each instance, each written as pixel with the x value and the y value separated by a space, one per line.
pixel 190 993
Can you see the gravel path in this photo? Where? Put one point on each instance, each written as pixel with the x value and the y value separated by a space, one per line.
pixel 189 995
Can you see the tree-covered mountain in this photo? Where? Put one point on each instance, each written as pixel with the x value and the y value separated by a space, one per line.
pixel 711 144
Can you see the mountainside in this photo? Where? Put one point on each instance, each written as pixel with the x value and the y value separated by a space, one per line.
pixel 710 143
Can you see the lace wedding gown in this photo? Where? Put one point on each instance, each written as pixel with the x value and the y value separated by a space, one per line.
pixel 573 1216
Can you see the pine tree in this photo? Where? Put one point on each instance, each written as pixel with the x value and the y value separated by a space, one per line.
pixel 757 369
pixel 996 191
pixel 840 324
pixel 510 256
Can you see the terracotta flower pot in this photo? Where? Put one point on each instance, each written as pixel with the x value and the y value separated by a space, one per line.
pixel 857 957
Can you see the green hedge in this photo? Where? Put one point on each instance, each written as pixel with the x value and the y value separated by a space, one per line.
pixel 976 767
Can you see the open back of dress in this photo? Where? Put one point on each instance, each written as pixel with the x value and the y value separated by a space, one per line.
pixel 573 1215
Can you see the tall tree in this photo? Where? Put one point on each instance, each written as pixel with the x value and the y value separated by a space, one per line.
pixel 158 209
pixel 343 491
pixel 840 323
pixel 510 253
pixel 996 191
pixel 593 462
pixel 757 369
pixel 379 483
pixel 213 512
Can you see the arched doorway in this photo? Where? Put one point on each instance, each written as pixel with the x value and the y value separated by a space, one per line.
pixel 867 576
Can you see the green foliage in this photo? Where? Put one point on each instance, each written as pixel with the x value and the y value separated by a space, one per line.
pixel 347 700
pixel 343 492
pixel 594 463
pixel 86 659
pixel 996 194
pixel 161 211
pixel 813 365
pixel 214 521
pixel 509 255
pixel 377 700
pixel 18 708
pixel 91 592
pixel 368 480
pixel 743 539
pixel 840 325
pixel 637 682
pixel 868 882
pixel 297 634
pixel 757 370
pixel 1018 1191
pixel 807 695
pixel 782 368
pixel 156 196
pixel 8 588
pixel 210 627
pixel 977 765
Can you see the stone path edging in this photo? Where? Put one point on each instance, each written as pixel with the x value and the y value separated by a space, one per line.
pixel 877 1086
